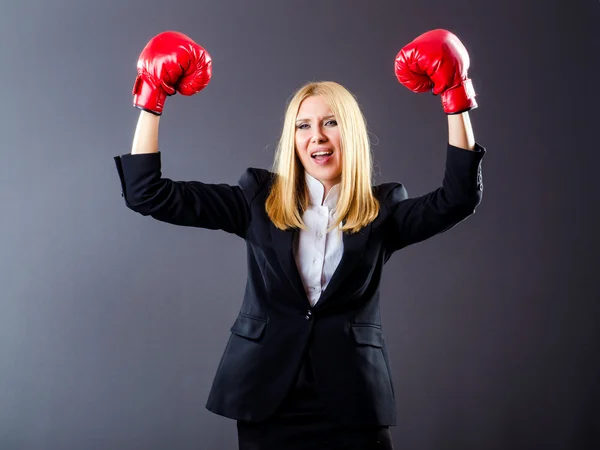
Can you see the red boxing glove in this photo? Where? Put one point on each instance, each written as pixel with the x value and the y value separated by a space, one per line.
pixel 438 60
pixel 171 62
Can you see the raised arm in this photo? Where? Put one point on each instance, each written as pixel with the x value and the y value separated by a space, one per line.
pixel 438 62
pixel 172 62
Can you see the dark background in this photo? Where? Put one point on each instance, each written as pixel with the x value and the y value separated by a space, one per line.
pixel 112 324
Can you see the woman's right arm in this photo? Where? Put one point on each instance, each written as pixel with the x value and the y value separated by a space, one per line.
pixel 188 203
pixel 145 139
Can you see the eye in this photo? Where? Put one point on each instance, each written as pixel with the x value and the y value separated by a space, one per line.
pixel 302 126
pixel 331 122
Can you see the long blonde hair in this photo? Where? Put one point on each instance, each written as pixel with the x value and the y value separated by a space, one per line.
pixel 288 198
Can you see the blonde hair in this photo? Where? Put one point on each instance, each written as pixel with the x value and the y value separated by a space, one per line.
pixel 288 197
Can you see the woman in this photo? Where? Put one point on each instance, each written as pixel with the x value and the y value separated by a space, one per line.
pixel 306 365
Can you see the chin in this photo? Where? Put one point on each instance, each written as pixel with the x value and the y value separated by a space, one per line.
pixel 331 179
pixel 325 175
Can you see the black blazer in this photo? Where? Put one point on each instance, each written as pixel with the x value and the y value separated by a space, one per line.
pixel 276 323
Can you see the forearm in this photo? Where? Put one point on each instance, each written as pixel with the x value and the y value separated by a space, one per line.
pixel 460 132
pixel 145 139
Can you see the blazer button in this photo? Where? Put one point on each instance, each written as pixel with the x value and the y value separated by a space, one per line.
pixel 308 315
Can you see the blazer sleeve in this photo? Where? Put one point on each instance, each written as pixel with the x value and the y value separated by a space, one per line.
pixel 415 219
pixel 187 203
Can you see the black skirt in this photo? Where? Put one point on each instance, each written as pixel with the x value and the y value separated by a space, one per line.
pixel 302 424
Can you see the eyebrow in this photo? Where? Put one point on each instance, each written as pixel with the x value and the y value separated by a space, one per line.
pixel 304 120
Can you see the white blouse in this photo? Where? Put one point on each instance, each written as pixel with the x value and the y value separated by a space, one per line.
pixel 318 253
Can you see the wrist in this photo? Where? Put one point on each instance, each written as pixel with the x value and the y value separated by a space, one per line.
pixel 149 96
pixel 460 98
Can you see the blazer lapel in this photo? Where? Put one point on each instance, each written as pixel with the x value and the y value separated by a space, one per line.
pixel 354 247
pixel 283 242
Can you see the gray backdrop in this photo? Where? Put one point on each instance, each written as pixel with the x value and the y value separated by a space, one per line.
pixel 112 324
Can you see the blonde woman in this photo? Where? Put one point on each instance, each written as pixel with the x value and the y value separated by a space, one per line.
pixel 306 365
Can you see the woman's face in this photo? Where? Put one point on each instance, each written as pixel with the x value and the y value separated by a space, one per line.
pixel 318 141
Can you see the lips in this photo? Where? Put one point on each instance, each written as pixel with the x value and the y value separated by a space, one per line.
pixel 322 152
pixel 321 160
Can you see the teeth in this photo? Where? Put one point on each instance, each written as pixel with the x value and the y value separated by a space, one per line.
pixel 321 154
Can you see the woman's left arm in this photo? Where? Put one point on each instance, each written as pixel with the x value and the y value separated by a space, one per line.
pixel 460 131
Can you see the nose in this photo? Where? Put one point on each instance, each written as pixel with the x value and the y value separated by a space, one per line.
pixel 318 136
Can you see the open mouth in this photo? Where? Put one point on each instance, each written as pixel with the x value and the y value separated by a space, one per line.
pixel 322 157
pixel 322 154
